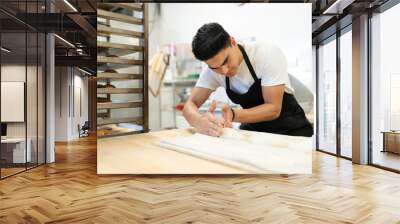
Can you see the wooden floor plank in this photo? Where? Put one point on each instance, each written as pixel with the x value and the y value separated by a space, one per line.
pixel 70 191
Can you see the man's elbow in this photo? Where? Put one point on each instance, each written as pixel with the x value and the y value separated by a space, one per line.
pixel 277 113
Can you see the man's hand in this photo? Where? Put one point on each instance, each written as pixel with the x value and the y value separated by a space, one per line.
pixel 207 124
pixel 227 116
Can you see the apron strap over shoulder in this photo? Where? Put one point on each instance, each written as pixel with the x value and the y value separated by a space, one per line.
pixel 247 60
pixel 249 66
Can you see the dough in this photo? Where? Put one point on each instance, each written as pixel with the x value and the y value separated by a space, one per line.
pixel 257 153
pixel 230 133
pixel 262 139
pixel 269 140
pixel 256 138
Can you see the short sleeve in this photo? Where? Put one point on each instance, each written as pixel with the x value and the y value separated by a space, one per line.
pixel 274 71
pixel 207 80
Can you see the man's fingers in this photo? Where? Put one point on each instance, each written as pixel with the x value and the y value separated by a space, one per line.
pixel 213 106
pixel 212 118
pixel 222 122
pixel 226 111
pixel 225 108
pixel 215 133
pixel 228 124
pixel 226 115
pixel 215 129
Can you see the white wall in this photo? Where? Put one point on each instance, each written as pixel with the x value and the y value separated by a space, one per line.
pixel 33 126
pixel 314 90
pixel 14 73
pixel 81 84
pixel 67 86
pixel 61 103
pixel 286 25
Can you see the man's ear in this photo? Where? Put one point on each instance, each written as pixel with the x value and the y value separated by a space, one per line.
pixel 233 41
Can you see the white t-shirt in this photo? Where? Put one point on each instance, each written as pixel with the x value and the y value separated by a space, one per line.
pixel 268 62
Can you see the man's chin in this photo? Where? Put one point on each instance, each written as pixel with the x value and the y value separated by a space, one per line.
pixel 228 74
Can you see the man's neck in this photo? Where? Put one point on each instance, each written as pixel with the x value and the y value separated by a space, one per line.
pixel 240 54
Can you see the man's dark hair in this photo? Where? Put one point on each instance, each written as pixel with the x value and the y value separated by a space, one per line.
pixel 209 40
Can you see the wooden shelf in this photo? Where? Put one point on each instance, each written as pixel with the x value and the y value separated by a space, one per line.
pixel 106 31
pixel 118 60
pixel 120 133
pixel 118 17
pixel 103 114
pixel 119 46
pixel 136 120
pixel 130 54
pixel 107 48
pixel 106 66
pixel 118 90
pixel 101 51
pixel 129 6
pixel 110 75
pixel 101 23
pixel 119 105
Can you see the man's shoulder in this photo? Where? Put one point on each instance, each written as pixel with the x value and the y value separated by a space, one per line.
pixel 262 51
pixel 265 48
pixel 209 73
pixel 206 71
pixel 259 52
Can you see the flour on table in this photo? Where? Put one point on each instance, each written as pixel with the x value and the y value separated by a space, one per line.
pixel 255 152
pixel 230 133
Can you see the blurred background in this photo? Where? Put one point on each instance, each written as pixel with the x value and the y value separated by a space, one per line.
pixel 285 25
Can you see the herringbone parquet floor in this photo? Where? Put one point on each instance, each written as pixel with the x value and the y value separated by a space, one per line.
pixel 69 191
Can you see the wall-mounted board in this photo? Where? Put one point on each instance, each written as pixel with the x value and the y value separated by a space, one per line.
pixel 12 101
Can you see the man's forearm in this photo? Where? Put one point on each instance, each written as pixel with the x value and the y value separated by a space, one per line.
pixel 191 113
pixel 264 112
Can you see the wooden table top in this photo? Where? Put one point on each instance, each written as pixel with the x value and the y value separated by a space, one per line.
pixel 143 154
pixel 140 154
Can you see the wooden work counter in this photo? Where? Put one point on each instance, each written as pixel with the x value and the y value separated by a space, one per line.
pixel 139 154
pixel 182 151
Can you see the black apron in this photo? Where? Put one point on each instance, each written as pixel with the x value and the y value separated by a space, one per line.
pixel 291 121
